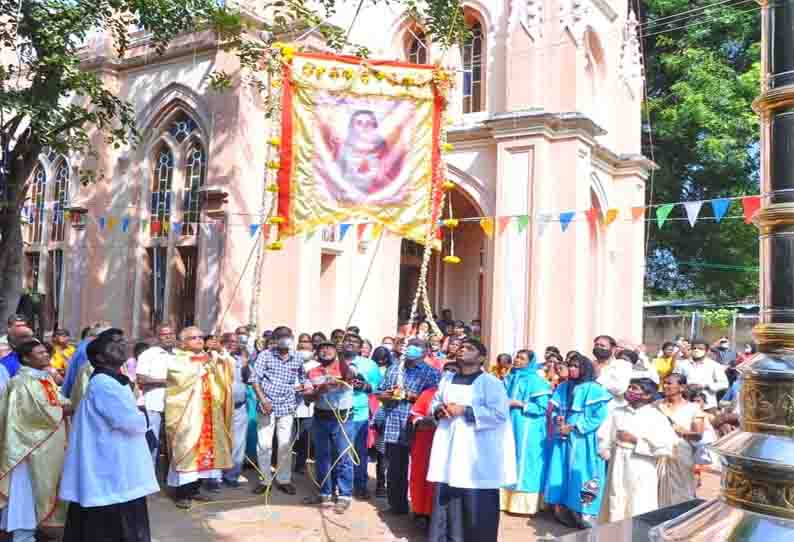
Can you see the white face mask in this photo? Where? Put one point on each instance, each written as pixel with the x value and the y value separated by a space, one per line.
pixel 308 355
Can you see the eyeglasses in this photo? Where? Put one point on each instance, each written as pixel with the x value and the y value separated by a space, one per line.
pixel 194 337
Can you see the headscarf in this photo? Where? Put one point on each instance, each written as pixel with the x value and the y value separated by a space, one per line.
pixel 528 374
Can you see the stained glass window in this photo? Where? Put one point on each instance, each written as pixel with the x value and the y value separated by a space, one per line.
pixel 38 191
pixel 60 199
pixel 181 127
pixel 161 192
pixel 195 174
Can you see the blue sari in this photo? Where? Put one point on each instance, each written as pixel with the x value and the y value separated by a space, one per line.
pixel 574 463
pixel 529 430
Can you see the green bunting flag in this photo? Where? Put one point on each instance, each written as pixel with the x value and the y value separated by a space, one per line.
pixel 522 222
pixel 662 212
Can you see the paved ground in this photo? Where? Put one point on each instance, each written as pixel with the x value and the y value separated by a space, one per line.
pixel 239 516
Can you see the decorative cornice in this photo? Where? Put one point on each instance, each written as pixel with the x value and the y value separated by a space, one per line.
pixel 630 69
pixel 574 16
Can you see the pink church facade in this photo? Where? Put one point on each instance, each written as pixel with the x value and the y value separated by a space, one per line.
pixel 545 119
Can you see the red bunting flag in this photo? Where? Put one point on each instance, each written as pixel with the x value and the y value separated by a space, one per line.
pixel 360 229
pixel 155 227
pixel 750 204
pixel 592 215
pixel 637 213
pixel 503 222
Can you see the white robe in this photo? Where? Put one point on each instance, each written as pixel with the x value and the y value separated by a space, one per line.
pixel 479 455
pixel 632 479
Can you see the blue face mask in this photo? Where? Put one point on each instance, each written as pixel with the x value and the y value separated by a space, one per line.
pixel 414 352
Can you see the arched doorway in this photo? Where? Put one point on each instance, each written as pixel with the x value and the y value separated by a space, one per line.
pixel 457 287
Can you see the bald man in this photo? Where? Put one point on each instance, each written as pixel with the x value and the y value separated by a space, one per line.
pixel 198 416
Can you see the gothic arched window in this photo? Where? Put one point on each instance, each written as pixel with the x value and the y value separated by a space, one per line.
pixel 471 55
pixel 162 180
pixel 417 47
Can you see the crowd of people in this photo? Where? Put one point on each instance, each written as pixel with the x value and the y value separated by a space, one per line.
pixel 88 431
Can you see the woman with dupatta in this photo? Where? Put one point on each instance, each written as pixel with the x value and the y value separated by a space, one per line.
pixel 677 481
pixel 529 395
pixel 577 473
pixel 32 446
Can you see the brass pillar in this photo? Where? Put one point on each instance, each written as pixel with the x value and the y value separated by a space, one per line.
pixel 757 495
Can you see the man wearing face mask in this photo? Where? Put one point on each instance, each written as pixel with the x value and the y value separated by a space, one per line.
pixel 367 378
pixel 397 398
pixel 703 374
pixel 277 378
pixel 632 439
pixel 613 374
pixel 333 428
pixel 242 373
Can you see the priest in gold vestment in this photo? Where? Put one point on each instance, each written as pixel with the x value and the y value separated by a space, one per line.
pixel 198 416
pixel 32 446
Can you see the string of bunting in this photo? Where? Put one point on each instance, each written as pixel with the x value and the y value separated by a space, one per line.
pixel 490 225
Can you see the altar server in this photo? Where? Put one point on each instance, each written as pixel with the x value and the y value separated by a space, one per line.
pixel 632 439
pixel 528 395
pixel 108 470
pixel 32 443
pixel 473 453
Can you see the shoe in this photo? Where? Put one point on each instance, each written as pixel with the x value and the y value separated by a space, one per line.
pixel 260 488
pixel 362 494
pixel 587 521
pixel 422 523
pixel 213 487
pixel 234 484
pixel 342 505
pixel 183 504
pixel 380 493
pixel 289 489
pixel 324 501
pixel 203 497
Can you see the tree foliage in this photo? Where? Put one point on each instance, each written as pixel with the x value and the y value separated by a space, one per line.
pixel 702 76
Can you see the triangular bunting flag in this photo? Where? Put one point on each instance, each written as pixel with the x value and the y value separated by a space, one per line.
pixel 125 224
pixel 360 229
pixel 220 225
pixel 144 224
pixel 610 217
pixel 523 222
pixel 662 212
pixel 377 230
pixel 253 229
pixel 166 226
pixel 543 221
pixel 720 207
pixel 101 222
pixel 178 228
pixel 207 229
pixel 637 213
pixel 503 222
pixel 487 226
pixel 592 216
pixel 692 209
pixel 343 231
pixel 565 219
pixel 750 204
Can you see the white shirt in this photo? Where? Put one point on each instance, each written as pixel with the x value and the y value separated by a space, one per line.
pixel 107 459
pixel 707 373
pixel 153 363
pixel 303 410
pixel 4 378
pixel 615 377
pixel 479 455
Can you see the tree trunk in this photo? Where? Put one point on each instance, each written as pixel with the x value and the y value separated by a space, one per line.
pixel 11 268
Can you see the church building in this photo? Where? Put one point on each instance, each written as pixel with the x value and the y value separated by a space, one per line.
pixel 546 119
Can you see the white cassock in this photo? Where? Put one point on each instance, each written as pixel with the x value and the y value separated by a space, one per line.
pixel 632 479
pixel 479 455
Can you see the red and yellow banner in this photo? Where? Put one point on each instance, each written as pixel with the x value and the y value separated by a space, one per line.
pixel 360 141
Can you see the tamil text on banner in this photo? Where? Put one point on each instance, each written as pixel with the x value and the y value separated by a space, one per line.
pixel 360 142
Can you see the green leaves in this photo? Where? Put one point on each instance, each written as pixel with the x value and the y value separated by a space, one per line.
pixel 702 79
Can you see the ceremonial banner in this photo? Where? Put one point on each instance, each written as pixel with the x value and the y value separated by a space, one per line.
pixel 359 142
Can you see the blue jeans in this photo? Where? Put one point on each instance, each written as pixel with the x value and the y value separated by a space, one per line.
pixel 360 475
pixel 330 443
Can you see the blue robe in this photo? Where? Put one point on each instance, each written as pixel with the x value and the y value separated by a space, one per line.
pixel 529 426
pixel 574 461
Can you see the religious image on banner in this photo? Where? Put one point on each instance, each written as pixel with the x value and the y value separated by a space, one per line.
pixel 359 143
